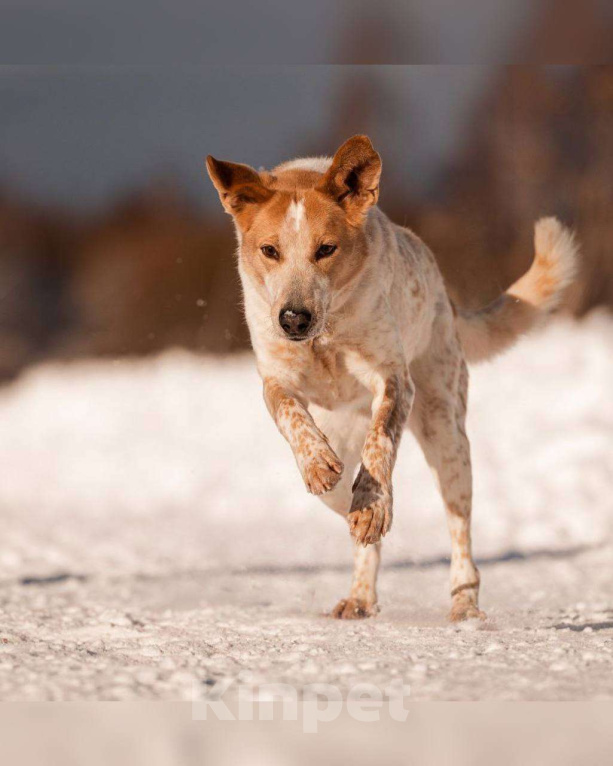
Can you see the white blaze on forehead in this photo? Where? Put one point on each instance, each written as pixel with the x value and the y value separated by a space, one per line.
pixel 296 214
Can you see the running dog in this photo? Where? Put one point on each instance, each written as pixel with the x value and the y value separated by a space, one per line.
pixel 356 339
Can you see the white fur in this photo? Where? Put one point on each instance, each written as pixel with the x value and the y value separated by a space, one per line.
pixel 319 164
pixel 296 214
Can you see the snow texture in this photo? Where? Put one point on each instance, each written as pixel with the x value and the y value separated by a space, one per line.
pixel 157 537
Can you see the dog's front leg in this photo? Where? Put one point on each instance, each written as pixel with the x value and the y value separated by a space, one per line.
pixel 319 465
pixel 370 516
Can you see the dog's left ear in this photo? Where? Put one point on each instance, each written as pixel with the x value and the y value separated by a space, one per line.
pixel 240 188
pixel 353 177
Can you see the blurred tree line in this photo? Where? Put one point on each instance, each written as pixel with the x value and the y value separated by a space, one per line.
pixel 542 144
pixel 156 270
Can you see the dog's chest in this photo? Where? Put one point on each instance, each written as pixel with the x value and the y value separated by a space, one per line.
pixel 327 382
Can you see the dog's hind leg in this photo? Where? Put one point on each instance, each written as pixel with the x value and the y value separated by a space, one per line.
pixel 437 422
pixel 362 599
pixel 346 431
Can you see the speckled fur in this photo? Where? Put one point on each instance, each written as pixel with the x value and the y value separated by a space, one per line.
pixel 385 351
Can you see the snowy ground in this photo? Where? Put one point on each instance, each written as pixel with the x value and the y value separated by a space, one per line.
pixel 156 537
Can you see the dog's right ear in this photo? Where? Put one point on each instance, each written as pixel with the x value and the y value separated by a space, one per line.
pixel 240 187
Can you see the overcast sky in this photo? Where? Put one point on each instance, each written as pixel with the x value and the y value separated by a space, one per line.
pixel 81 132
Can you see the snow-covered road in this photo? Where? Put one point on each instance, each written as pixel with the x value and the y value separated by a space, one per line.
pixel 156 536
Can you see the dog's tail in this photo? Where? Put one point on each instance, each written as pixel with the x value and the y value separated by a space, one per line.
pixel 492 330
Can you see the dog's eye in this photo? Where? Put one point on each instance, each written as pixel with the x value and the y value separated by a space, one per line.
pixel 270 252
pixel 324 251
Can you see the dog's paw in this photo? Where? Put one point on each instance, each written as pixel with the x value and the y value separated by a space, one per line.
pixel 368 525
pixel 464 607
pixel 353 609
pixel 321 469
pixel 370 517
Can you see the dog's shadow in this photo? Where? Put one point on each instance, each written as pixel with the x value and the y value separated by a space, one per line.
pixel 509 556
pixel 580 627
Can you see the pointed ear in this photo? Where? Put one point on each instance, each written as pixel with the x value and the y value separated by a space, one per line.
pixel 240 187
pixel 353 177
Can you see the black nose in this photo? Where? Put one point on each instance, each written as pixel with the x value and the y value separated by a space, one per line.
pixel 295 322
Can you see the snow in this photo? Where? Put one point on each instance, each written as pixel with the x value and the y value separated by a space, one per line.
pixel 156 535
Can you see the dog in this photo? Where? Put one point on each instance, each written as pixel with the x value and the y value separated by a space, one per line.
pixel 356 339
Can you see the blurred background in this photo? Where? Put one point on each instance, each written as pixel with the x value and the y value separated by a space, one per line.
pixel 112 240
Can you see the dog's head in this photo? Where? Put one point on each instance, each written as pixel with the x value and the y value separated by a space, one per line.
pixel 301 230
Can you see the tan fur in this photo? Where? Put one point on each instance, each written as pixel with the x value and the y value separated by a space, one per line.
pixel 496 328
pixel 384 349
